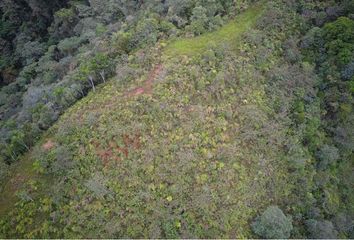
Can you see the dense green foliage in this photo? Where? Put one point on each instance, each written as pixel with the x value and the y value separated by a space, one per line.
pixel 273 224
pixel 206 119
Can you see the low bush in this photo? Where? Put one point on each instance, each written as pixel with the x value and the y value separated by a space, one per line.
pixel 273 224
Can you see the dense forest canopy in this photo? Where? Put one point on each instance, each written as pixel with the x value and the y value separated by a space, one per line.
pixel 176 119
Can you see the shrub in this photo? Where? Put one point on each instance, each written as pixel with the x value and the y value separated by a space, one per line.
pixel 97 186
pixel 167 27
pixel 297 156
pixel 146 32
pixel 15 146
pixel 12 88
pixel 61 27
pixel 122 42
pixel 33 96
pixel 181 9
pixel 28 72
pixel 327 156
pixel 98 67
pixel 4 169
pixel 69 45
pixel 108 11
pixel 344 137
pixel 348 72
pixel 291 51
pixel 66 96
pixel 321 229
pixel 44 115
pixel 273 224
pixel 63 159
pixel 339 37
pixel 199 20
pixel 215 23
pixel 6 27
pixel 312 39
pixel 86 27
pixel 31 52
pixel 344 223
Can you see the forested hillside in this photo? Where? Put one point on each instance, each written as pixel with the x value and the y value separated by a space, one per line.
pixel 176 119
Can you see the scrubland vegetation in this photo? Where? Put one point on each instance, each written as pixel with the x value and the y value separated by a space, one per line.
pixel 177 119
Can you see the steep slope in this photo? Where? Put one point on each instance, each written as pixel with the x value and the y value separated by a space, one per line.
pixel 197 146
pixel 159 154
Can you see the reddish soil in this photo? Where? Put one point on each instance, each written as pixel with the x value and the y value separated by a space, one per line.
pixel 115 152
pixel 17 181
pixel 48 145
pixel 148 84
pixel 146 88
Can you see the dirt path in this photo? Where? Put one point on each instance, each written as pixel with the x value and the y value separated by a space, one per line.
pixel 146 88
pixel 148 84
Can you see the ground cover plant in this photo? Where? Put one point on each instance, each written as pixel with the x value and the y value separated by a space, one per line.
pixel 182 119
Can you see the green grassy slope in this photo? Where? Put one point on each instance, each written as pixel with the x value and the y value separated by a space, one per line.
pixel 191 159
pixel 228 34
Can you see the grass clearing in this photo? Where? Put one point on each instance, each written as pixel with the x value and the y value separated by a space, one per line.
pixel 228 34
